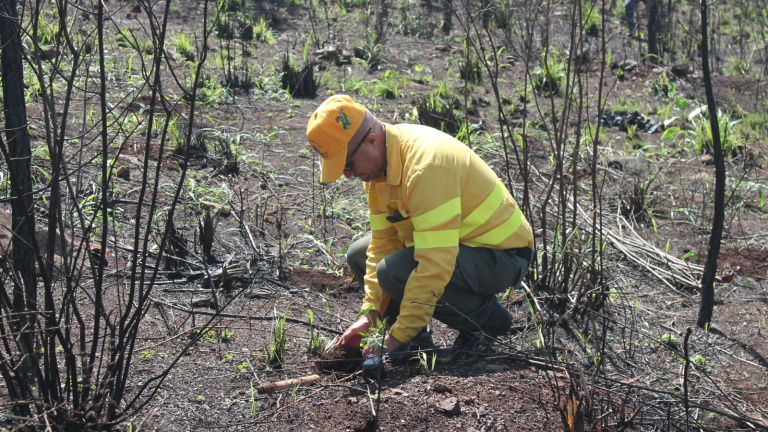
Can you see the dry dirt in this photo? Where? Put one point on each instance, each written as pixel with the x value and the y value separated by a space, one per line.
pixel 302 228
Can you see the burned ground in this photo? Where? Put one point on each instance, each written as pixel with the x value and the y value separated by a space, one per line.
pixel 282 237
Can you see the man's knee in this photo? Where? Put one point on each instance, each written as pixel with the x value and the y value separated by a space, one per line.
pixel 387 279
pixel 357 257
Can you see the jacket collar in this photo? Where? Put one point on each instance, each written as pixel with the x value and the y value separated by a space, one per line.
pixel 394 156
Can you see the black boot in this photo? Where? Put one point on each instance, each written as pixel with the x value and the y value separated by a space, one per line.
pixel 499 321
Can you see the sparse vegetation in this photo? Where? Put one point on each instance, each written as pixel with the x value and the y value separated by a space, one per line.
pixel 171 208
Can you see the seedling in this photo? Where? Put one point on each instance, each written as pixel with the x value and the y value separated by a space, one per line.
pixel 227 336
pixel 699 360
pixel 374 338
pixel 276 350
pixel 262 32
pixel 240 369
pixel 316 343
pixel 669 340
pixel 427 364
pixel 700 136
pixel 253 401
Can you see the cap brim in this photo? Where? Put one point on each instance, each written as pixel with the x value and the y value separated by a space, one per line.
pixel 333 167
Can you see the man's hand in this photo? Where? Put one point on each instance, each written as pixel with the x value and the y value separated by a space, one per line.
pixel 352 337
pixel 390 343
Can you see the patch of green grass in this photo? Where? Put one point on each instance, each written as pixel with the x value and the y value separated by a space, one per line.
pixel 471 68
pixel 316 343
pixel 550 76
pixel 738 66
pixel 699 137
pixel 183 44
pixel 262 31
pixel 276 351
pixel 661 86
pixel 753 126
pixel 625 106
pixel 389 85
pixel 590 19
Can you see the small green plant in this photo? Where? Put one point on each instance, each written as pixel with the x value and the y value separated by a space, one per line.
pixel 316 344
pixel 147 355
pixel 254 409
pixel 262 31
pixel 276 350
pixel 374 337
pixel 208 335
pixel 226 335
pixel 298 82
pixel 631 132
pixel 626 105
pixel 690 256
pixel 389 85
pixel 183 45
pixel 699 360
pixel 427 363
pixel 662 86
pixel 471 68
pixel 550 76
pixel 438 110
pixel 700 135
pixel 636 204
pixel 422 74
pixel 225 28
pixel 591 19
pixel 738 66
pixel 241 368
pixel 669 340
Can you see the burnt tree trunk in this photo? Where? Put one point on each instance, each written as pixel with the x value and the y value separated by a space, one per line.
pixel 17 153
pixel 710 267
pixel 654 36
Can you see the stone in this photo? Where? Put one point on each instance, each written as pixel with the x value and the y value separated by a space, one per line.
pixel 682 70
pixel 449 405
pixel 216 208
pixel 123 172
pixel 441 388
pixel 707 159
pixel 627 65
pixel 329 54
pixel 636 165
pixel 203 302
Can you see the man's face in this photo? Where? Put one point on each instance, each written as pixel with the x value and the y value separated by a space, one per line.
pixel 363 159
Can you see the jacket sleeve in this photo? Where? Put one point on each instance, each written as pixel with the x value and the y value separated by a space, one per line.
pixel 434 199
pixel 384 241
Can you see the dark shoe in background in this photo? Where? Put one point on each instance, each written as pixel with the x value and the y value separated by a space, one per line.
pixel 499 321
pixel 475 344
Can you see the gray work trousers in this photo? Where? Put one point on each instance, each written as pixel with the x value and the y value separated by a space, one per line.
pixel 467 301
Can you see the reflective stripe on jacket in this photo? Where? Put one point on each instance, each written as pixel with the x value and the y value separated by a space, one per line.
pixel 438 193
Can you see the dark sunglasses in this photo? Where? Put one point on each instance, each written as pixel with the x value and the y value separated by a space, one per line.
pixel 348 165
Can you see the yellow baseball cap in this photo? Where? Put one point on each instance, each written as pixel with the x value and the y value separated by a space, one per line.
pixel 329 130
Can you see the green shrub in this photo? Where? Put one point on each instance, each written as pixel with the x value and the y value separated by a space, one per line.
pixel 183 45
pixel 700 134
pixel 262 31
pixel 590 19
pixel 550 77
pixel 389 85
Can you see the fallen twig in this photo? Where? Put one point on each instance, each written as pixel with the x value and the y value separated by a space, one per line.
pixel 289 383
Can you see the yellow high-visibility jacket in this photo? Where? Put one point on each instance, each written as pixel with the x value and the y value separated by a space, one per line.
pixel 446 195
